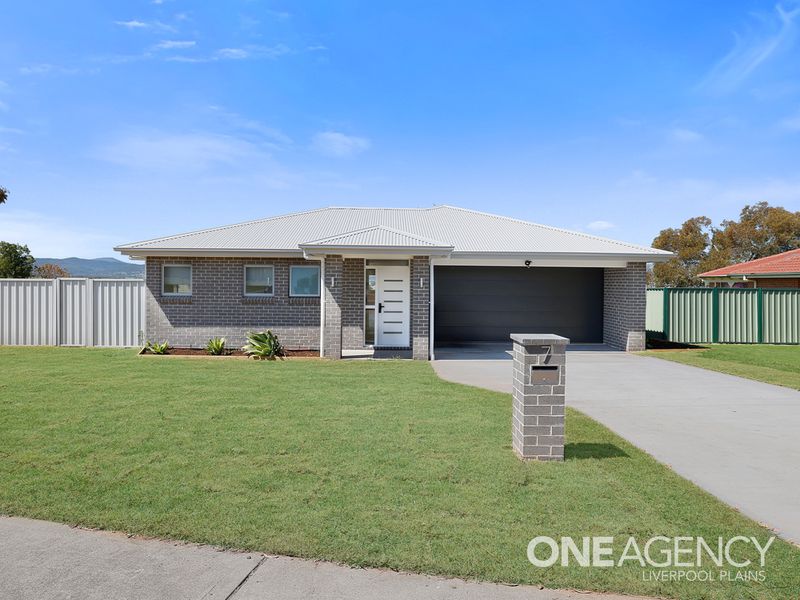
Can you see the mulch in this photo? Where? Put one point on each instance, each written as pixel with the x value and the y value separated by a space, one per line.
pixel 239 353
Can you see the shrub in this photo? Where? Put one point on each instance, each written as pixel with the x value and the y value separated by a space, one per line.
pixel 216 346
pixel 157 348
pixel 263 345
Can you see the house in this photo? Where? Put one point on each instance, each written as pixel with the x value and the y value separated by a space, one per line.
pixel 777 271
pixel 339 279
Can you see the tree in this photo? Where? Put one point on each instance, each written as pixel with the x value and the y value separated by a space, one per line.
pixel 690 244
pixel 762 230
pixel 3 195
pixel 50 271
pixel 15 260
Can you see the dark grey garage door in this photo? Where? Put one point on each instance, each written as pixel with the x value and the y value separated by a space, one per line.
pixel 486 304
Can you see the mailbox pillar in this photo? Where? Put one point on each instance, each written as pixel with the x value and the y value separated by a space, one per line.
pixel 539 385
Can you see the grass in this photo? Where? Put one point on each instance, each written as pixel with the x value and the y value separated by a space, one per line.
pixel 771 364
pixel 373 463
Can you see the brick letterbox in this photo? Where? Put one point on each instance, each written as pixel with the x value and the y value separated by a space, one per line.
pixel 539 392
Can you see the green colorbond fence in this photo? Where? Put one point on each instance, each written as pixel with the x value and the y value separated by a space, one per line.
pixel 724 315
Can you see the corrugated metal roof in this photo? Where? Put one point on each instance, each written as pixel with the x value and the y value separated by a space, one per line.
pixel 376 237
pixel 468 231
pixel 777 264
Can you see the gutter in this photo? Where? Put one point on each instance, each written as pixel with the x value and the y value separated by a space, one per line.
pixel 434 251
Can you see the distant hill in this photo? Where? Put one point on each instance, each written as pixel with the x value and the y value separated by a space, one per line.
pixel 96 267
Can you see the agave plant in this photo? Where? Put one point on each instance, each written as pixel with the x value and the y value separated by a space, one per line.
pixel 216 346
pixel 157 348
pixel 263 345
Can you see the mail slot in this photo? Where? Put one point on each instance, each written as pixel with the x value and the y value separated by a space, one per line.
pixel 544 374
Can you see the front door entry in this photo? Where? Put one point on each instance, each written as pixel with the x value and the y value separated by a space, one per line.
pixel 392 310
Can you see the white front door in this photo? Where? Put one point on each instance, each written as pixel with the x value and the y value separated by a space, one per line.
pixel 392 306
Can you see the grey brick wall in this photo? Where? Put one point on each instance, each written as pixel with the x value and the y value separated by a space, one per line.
pixel 353 304
pixel 420 306
pixel 537 423
pixel 333 288
pixel 218 306
pixel 624 307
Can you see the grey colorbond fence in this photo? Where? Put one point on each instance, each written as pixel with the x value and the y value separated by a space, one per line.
pixel 724 315
pixel 72 312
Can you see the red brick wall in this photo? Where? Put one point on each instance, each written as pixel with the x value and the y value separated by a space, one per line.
pixel 778 282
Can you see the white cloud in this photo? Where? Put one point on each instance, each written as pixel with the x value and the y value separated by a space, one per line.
pixel 685 136
pixel 339 145
pixel 143 25
pixel 791 123
pixel 46 68
pixel 774 33
pixel 600 225
pixel 175 44
pixel 271 136
pixel 232 53
pixel 280 15
pixel 635 178
pixel 251 52
pixel 132 24
pixel 52 237
pixel 157 150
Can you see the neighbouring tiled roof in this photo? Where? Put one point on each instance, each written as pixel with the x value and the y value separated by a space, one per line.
pixel 778 264
pixel 467 231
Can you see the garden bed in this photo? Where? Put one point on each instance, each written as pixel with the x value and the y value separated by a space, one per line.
pixel 228 353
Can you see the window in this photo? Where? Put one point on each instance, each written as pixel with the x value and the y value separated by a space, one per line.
pixel 304 280
pixel 176 280
pixel 370 281
pixel 369 288
pixel 259 280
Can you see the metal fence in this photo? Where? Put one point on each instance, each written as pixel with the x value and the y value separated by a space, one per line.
pixel 724 315
pixel 71 312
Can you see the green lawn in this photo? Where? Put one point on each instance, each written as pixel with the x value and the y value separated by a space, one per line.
pixel 374 463
pixel 772 364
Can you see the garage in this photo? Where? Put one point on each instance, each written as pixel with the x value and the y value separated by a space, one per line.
pixel 487 304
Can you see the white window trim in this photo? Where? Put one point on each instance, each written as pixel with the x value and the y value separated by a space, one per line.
pixel 191 280
pixel 244 282
pixel 291 270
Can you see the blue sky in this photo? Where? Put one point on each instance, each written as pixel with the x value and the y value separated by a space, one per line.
pixel 121 121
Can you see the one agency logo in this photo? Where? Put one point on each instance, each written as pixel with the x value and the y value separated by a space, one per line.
pixel 662 558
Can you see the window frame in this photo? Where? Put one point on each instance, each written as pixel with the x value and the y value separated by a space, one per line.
pixel 319 280
pixel 370 307
pixel 244 281
pixel 164 281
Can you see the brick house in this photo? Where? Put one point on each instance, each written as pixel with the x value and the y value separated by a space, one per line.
pixel 406 279
pixel 779 271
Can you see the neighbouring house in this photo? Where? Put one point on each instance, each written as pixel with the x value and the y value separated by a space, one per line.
pixel 339 279
pixel 773 272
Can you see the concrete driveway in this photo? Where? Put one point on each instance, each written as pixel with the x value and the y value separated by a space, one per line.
pixel 736 438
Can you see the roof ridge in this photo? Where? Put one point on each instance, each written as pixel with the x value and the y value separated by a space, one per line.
pixel 372 227
pixel 435 206
pixel 551 228
pixel 223 227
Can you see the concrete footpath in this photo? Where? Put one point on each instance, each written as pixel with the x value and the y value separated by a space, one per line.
pixel 41 561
